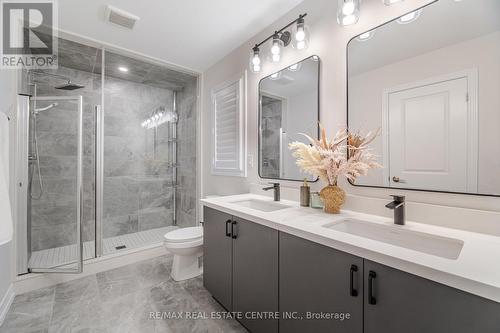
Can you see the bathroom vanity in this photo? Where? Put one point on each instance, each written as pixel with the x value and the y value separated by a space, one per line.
pixel 428 88
pixel 305 265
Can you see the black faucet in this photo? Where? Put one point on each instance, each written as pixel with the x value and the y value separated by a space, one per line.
pixel 398 205
pixel 276 188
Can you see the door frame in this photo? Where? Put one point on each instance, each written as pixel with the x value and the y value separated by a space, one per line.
pixel 471 75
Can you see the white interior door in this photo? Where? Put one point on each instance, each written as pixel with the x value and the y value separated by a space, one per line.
pixel 428 136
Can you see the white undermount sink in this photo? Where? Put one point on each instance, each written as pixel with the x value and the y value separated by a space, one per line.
pixel 444 247
pixel 262 205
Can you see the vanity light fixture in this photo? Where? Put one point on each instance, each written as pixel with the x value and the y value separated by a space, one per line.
pixel 366 36
pixel 410 17
pixel 281 39
pixel 255 60
pixel 123 69
pixel 391 2
pixel 348 12
pixel 276 47
pixel 300 34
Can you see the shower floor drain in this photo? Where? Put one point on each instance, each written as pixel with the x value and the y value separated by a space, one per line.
pixel 120 247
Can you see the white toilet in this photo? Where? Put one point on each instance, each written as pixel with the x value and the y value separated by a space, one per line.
pixel 186 244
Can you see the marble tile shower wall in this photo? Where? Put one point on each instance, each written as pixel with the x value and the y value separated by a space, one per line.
pixel 53 216
pixel 138 184
pixel 271 118
pixel 137 181
pixel 186 155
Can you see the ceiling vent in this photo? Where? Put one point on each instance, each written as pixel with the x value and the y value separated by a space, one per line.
pixel 120 17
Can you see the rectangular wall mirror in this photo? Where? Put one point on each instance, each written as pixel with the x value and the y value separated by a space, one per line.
pixel 288 106
pixel 430 81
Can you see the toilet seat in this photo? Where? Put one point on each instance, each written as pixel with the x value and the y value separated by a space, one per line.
pixel 183 235
pixel 183 245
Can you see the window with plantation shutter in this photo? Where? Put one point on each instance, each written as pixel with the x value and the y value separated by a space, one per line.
pixel 228 129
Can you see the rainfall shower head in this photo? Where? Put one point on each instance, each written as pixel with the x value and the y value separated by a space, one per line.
pixel 69 86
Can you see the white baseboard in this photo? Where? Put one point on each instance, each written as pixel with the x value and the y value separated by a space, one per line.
pixel 6 302
pixel 33 281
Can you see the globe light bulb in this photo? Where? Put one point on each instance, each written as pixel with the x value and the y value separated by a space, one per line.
pixel 348 20
pixel 256 60
pixel 348 8
pixel 300 35
pixel 275 49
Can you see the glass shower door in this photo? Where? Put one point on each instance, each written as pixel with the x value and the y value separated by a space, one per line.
pixel 55 185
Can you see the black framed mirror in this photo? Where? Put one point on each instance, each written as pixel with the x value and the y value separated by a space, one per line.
pixel 429 80
pixel 288 106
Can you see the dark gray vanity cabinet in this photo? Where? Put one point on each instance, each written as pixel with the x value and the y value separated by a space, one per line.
pixel 258 271
pixel 240 268
pixel 255 275
pixel 218 255
pixel 397 301
pixel 318 280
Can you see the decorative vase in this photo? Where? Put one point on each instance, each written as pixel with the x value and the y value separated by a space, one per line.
pixel 333 198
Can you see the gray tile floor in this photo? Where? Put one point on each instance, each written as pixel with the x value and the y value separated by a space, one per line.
pixel 119 300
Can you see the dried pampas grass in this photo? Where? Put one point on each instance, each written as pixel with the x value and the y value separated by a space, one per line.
pixel 346 154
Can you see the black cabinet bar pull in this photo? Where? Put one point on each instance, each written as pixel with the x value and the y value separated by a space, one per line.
pixel 228 233
pixel 234 235
pixel 371 299
pixel 354 292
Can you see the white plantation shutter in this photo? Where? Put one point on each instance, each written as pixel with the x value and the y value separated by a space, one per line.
pixel 228 120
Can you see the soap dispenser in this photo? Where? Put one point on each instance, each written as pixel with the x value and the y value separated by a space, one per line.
pixel 305 194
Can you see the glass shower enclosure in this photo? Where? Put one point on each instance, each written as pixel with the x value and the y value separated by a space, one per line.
pixel 99 141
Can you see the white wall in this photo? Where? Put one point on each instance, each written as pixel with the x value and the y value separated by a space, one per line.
pixel 8 93
pixel 483 54
pixel 329 40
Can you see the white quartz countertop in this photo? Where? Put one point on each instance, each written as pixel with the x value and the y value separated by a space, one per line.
pixel 476 270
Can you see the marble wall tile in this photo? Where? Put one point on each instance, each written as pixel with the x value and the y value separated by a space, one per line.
pixel 120 196
pixel 271 114
pixel 186 155
pixel 120 225
pixel 155 218
pixel 123 166
pixel 128 148
pixel 57 129
pixel 46 216
pixel 53 236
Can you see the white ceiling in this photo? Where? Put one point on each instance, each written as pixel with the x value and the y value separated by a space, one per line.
pixel 302 81
pixel 191 33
